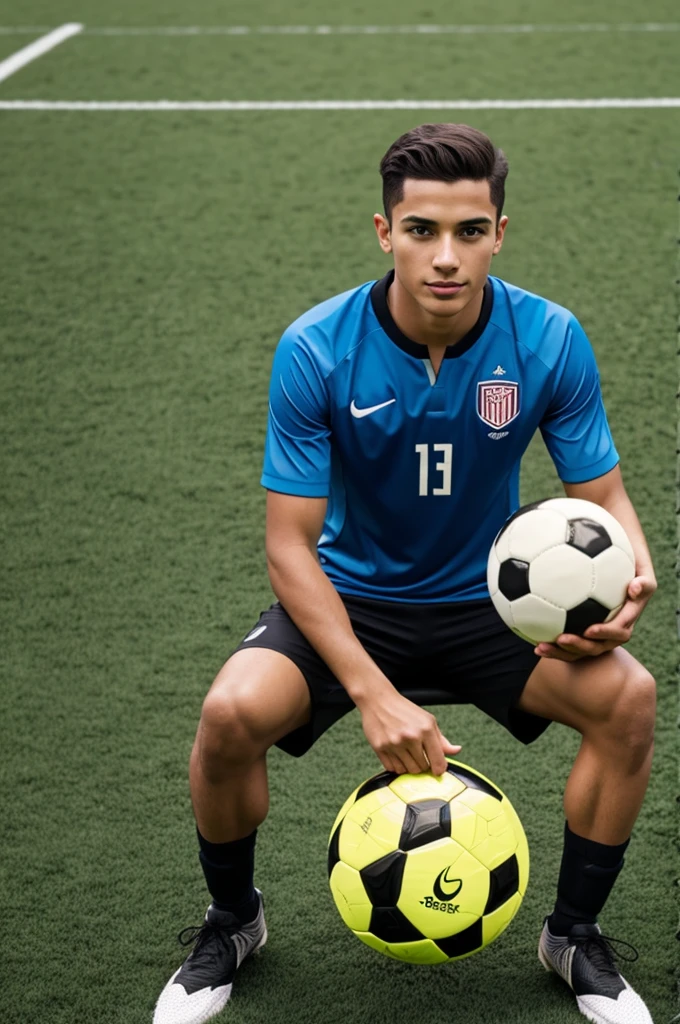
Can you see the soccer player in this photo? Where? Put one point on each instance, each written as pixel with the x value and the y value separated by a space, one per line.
pixel 387 480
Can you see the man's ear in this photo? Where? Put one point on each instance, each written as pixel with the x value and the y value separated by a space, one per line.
pixel 500 234
pixel 383 231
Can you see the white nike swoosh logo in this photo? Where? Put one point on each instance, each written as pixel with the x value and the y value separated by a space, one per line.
pixel 359 413
pixel 255 633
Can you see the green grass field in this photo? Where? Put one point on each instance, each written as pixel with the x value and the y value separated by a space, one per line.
pixel 151 261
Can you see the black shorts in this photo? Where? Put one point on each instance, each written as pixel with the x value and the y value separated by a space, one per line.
pixel 459 653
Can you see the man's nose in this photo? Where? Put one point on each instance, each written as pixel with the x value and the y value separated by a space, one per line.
pixel 447 257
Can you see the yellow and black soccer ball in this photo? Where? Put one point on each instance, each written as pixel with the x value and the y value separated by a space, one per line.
pixel 428 869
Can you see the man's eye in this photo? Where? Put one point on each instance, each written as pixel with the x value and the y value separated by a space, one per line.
pixel 471 232
pixel 417 229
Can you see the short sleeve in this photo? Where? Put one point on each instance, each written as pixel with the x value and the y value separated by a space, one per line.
pixel 297 456
pixel 574 427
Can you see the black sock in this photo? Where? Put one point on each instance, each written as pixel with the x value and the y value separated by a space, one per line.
pixel 228 870
pixel 587 874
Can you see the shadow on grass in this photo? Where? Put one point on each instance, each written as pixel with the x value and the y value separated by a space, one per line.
pixel 334 984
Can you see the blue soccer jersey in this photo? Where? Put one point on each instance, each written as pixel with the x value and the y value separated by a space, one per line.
pixel 421 471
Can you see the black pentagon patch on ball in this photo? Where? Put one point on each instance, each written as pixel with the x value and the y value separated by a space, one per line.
pixel 464 942
pixel 378 781
pixel 390 925
pixel 334 849
pixel 472 780
pixel 382 879
pixel 588 536
pixel 583 615
pixel 424 822
pixel 519 512
pixel 513 579
pixel 503 883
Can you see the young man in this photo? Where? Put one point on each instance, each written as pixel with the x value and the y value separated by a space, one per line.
pixel 385 491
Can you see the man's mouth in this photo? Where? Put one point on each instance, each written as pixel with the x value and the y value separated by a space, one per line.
pixel 444 288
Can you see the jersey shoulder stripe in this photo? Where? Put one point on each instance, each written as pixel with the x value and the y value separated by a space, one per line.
pixel 330 330
pixel 537 324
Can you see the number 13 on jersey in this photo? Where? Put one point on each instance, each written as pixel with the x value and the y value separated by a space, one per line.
pixel 442 483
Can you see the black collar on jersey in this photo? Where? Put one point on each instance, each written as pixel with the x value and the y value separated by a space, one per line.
pixel 414 348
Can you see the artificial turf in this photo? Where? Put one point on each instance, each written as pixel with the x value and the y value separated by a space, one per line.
pixel 151 262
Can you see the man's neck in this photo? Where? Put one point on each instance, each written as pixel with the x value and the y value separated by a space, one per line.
pixel 437 332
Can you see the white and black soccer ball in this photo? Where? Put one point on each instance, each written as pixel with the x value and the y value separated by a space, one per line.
pixel 559 566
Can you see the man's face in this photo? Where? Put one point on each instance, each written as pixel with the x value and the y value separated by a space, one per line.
pixel 443 237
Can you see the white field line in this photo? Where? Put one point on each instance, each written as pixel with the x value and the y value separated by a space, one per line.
pixel 377 30
pixel 650 103
pixel 381 30
pixel 37 49
pixel 359 30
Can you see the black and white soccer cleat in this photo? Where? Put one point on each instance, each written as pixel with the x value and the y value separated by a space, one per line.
pixel 585 959
pixel 202 985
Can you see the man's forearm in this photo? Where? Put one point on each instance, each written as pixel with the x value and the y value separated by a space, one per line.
pixel 622 509
pixel 317 610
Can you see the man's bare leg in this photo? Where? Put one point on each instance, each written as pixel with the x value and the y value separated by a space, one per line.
pixel 258 697
pixel 610 700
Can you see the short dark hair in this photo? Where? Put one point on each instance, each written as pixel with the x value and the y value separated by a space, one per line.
pixel 443 152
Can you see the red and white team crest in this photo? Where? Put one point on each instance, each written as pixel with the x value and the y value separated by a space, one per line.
pixel 497 404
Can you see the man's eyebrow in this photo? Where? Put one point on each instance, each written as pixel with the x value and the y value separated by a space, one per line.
pixel 412 219
pixel 470 222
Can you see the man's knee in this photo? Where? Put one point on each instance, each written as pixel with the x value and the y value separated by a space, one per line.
pixel 227 736
pixel 639 708
pixel 258 696
pixel 630 723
